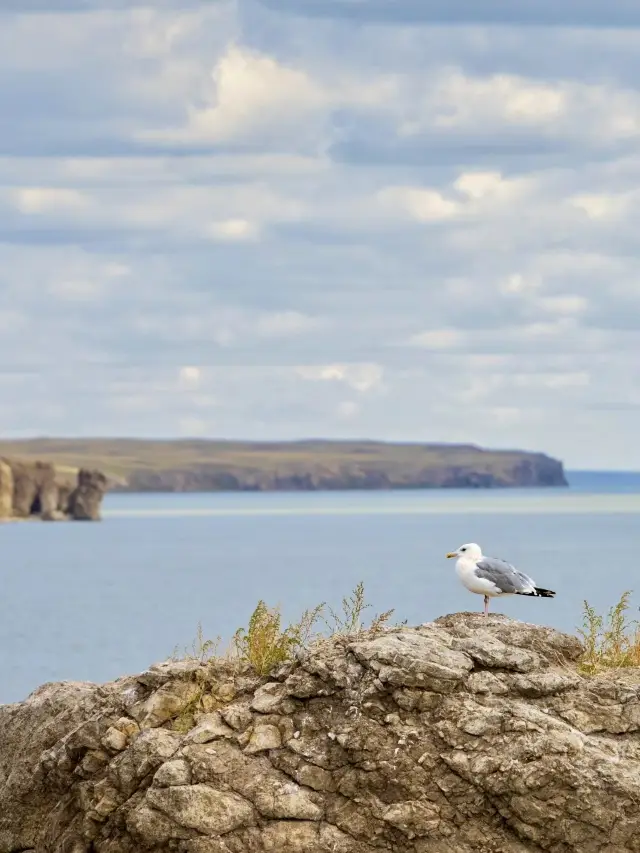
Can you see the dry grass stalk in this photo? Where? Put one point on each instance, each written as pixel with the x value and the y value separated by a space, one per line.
pixel 612 642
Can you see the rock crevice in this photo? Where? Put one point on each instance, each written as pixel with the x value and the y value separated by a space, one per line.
pixel 461 735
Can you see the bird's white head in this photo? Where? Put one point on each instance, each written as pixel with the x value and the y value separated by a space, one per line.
pixel 470 551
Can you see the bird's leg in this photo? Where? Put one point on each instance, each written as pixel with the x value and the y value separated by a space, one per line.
pixel 486 605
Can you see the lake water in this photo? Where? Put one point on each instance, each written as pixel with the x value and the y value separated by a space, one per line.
pixel 95 601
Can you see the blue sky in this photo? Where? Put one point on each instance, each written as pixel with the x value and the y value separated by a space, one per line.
pixel 397 219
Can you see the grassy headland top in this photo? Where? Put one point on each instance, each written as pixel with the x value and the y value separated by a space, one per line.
pixel 139 465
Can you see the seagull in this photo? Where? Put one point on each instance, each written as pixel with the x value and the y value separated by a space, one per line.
pixel 491 577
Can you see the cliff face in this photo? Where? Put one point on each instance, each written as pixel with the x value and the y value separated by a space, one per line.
pixel 433 468
pixel 39 490
pixel 190 465
pixel 462 736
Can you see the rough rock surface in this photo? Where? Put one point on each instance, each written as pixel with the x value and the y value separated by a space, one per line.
pixel 310 472
pixel 39 490
pixel 464 735
pixel 206 465
pixel 86 498
pixel 6 490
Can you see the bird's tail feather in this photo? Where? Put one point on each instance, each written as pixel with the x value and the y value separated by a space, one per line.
pixel 540 592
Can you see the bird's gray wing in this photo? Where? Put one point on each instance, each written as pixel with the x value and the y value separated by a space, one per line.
pixel 505 576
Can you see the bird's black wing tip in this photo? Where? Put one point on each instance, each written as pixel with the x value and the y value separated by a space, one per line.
pixel 545 593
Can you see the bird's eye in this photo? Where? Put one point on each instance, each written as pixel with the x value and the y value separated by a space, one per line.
pixel 463 549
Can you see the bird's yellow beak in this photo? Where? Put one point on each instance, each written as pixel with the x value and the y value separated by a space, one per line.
pixel 452 554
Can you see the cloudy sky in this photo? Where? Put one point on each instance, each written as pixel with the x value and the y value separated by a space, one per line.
pixel 398 219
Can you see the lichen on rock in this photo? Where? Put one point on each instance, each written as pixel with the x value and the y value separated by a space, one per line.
pixel 461 736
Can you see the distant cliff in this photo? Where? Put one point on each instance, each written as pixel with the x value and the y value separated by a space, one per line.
pixel 40 490
pixel 211 466
pixel 315 474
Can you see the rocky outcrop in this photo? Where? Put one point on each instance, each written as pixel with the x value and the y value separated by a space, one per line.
pixel 6 490
pixel 40 490
pixel 461 736
pixel 34 488
pixel 85 500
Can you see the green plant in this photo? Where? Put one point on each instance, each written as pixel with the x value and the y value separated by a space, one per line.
pixel 202 650
pixel 185 720
pixel 264 644
pixel 349 621
pixel 612 643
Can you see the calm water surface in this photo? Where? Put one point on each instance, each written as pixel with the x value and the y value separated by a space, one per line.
pixel 94 601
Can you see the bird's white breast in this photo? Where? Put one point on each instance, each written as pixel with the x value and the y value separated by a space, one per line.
pixel 465 569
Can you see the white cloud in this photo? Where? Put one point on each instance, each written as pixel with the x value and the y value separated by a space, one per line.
pixel 117 270
pixel 490 187
pixel 251 95
pixel 437 339
pixel 348 410
pixel 189 377
pixel 421 204
pixel 13 321
pixel 565 305
pixel 601 207
pixel 284 324
pixel 76 290
pixel 548 329
pixel 460 100
pixel 35 200
pixel 579 379
pixel 556 380
pixel 226 326
pixel 153 33
pixel 517 283
pixel 471 194
pixel 360 377
pixel 453 101
pixel 317 229
pixel 505 416
pixel 250 91
pixel 233 229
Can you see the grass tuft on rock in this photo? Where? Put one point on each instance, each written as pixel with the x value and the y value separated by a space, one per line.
pixel 349 620
pixel 201 650
pixel 611 641
pixel 264 644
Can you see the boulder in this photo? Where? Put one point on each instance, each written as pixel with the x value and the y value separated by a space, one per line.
pixel 463 735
